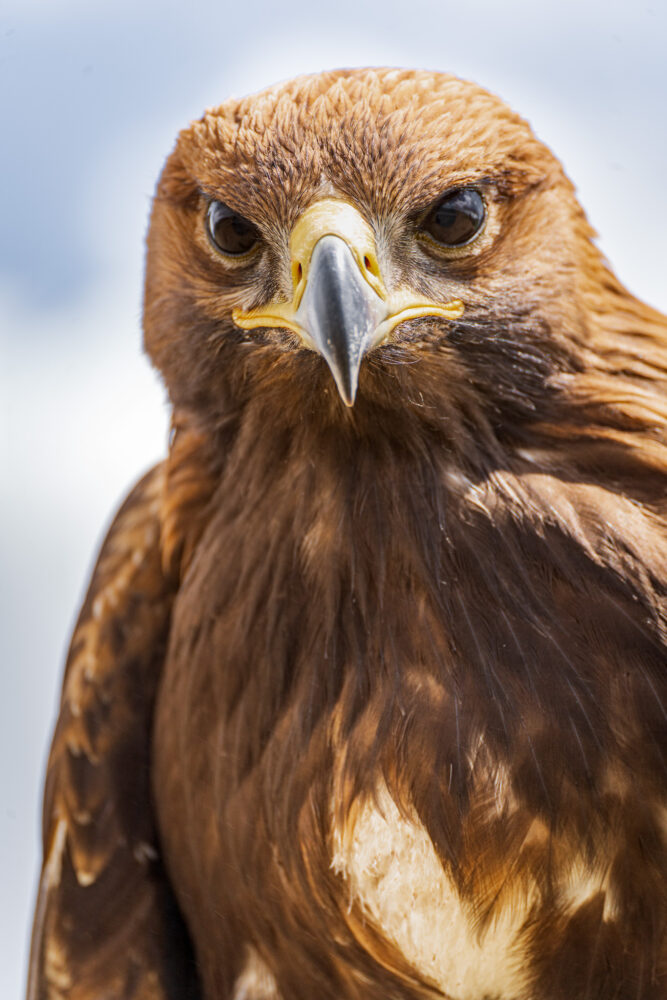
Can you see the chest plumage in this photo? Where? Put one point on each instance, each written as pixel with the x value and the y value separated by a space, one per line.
pixel 383 692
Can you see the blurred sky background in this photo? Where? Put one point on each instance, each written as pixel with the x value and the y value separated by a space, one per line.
pixel 91 97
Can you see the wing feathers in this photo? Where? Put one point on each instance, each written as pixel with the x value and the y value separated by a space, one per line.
pixel 106 923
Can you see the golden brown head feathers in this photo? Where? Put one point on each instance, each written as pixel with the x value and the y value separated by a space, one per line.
pixel 536 293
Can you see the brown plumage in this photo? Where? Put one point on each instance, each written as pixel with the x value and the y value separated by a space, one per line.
pixel 371 698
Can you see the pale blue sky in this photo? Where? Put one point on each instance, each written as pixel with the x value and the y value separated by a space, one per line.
pixel 91 97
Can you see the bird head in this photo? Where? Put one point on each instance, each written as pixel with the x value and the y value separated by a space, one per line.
pixel 359 242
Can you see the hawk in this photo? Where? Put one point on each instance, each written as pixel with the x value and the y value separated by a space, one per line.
pixel 367 695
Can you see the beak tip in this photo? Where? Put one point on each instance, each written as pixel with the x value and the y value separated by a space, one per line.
pixel 347 389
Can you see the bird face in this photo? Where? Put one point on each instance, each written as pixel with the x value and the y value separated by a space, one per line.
pixel 341 306
pixel 403 239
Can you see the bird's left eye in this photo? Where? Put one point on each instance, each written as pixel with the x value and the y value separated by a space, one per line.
pixel 230 233
pixel 456 219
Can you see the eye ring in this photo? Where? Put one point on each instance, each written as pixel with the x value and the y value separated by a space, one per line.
pixel 230 234
pixel 456 220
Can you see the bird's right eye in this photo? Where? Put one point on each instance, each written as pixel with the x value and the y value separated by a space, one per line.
pixel 229 232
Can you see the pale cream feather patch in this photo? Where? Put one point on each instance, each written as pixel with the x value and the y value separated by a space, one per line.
pixel 256 981
pixel 394 873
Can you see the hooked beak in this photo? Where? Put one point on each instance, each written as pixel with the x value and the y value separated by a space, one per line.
pixel 340 307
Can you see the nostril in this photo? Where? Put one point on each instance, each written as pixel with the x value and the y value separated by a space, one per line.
pixel 297 274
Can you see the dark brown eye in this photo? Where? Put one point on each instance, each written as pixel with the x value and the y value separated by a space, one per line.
pixel 456 219
pixel 230 233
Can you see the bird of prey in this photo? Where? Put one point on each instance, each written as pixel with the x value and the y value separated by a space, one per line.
pixel 367 696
